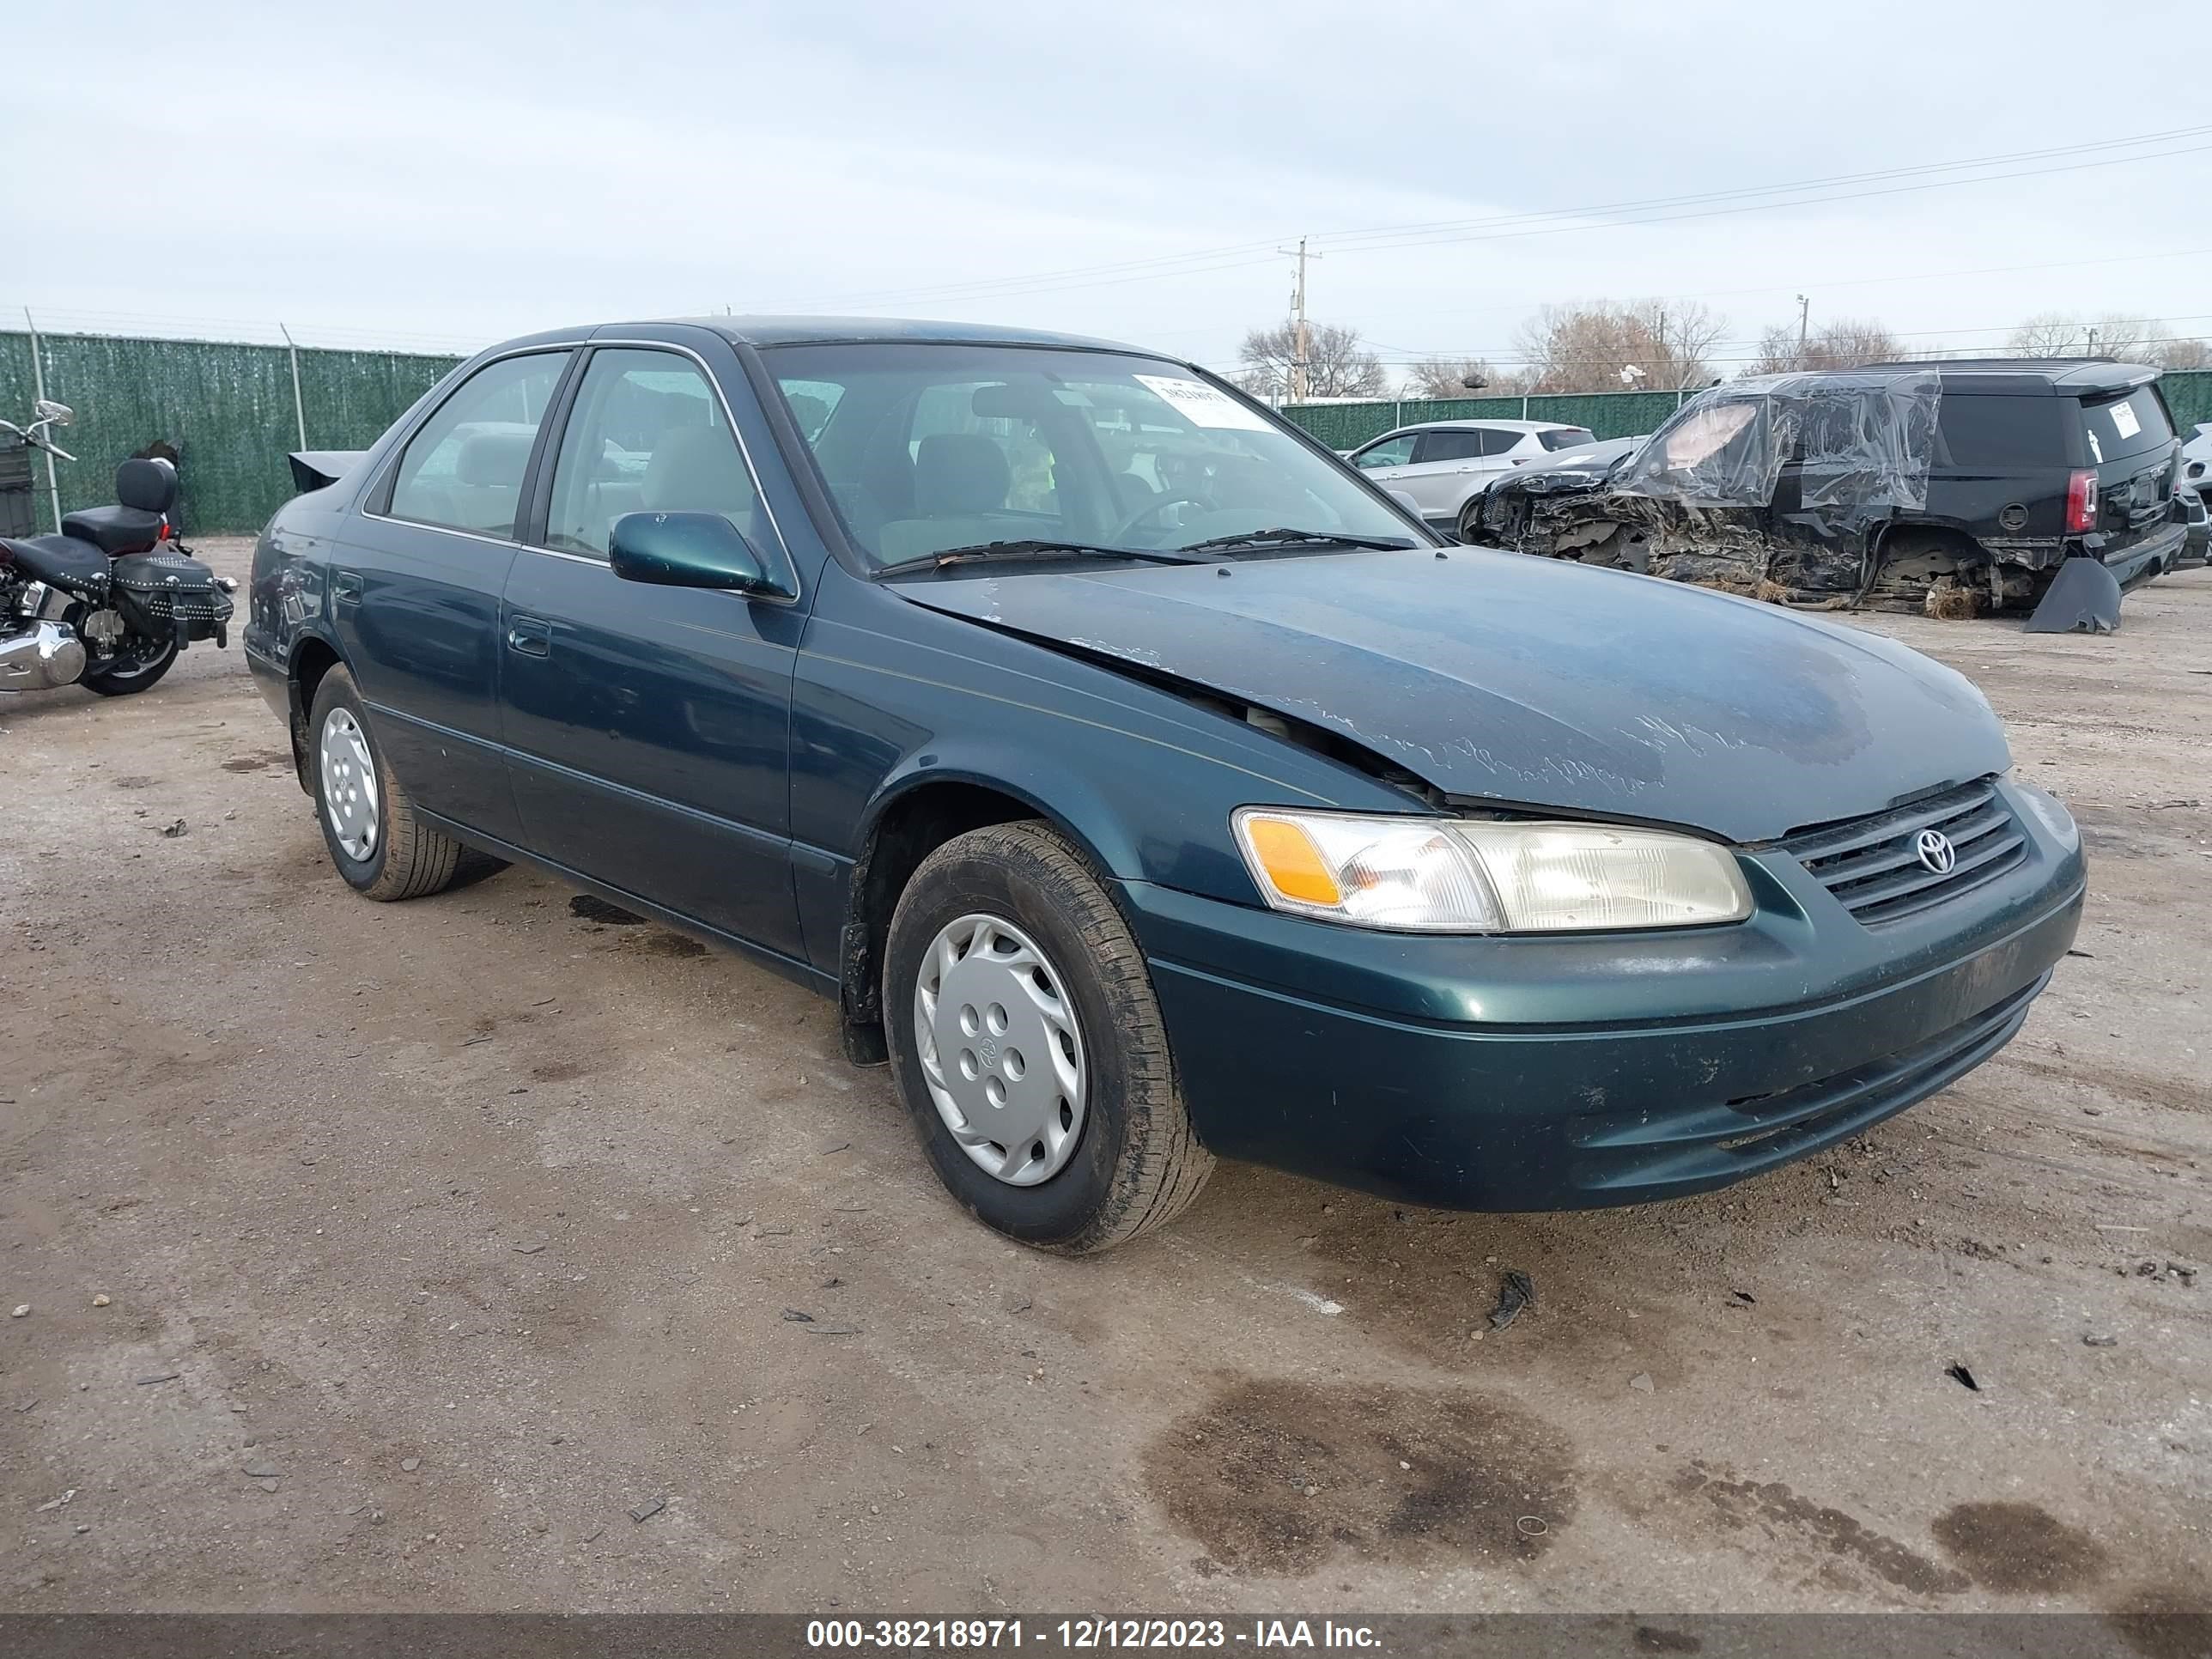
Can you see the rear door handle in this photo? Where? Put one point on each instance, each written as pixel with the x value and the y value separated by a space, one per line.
pixel 530 636
pixel 346 588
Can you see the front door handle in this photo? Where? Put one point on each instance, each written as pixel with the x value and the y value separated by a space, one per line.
pixel 346 588
pixel 530 636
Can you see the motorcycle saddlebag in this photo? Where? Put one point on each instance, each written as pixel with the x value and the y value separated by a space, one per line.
pixel 164 593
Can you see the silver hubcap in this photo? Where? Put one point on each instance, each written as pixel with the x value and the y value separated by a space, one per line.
pixel 349 784
pixel 1001 1050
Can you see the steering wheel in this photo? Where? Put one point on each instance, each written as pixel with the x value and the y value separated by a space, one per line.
pixel 1152 511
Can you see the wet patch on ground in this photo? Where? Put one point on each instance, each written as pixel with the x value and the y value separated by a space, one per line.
pixel 1275 1477
pixel 1774 1509
pixel 586 907
pixel 2020 1547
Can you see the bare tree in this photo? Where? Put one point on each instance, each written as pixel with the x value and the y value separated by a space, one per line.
pixel 1847 343
pixel 2185 353
pixel 1588 347
pixel 1337 363
pixel 2050 334
pixel 1448 377
pixel 2054 334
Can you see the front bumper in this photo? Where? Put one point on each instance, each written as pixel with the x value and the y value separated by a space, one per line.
pixel 1577 1073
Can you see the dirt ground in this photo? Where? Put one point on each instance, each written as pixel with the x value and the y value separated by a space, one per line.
pixel 403 1256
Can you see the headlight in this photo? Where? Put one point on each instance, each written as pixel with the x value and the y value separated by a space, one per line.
pixel 1425 875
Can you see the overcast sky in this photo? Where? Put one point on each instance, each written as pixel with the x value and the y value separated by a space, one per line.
pixel 452 174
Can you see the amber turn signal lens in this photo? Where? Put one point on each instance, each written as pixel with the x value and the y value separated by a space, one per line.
pixel 1292 863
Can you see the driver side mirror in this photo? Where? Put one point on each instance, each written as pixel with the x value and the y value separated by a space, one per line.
pixel 690 550
pixel 47 409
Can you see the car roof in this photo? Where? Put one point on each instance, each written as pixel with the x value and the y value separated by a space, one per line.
pixel 841 331
pixel 1489 426
pixel 2055 377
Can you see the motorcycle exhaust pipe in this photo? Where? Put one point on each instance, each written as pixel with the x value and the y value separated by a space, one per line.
pixel 45 655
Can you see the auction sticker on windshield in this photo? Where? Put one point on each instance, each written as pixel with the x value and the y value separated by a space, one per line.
pixel 1203 404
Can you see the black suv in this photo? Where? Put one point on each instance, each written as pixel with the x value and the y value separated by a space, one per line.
pixel 2036 458
pixel 1958 486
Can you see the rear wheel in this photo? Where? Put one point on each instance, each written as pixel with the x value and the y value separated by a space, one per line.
pixel 1029 1048
pixel 376 841
pixel 138 662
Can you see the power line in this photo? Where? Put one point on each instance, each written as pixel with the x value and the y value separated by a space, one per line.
pixel 1872 176
pixel 1533 223
pixel 1863 281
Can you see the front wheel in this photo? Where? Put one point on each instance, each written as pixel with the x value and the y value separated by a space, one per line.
pixel 1470 520
pixel 1029 1045
pixel 137 664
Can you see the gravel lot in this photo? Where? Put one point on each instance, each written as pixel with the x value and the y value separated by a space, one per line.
pixel 399 1256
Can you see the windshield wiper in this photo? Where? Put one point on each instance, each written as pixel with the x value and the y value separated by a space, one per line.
pixel 1025 549
pixel 1300 539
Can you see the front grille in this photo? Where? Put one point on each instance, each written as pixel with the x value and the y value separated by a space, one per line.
pixel 1873 866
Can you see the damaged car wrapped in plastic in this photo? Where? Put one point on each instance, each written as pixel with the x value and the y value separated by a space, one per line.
pixel 1956 488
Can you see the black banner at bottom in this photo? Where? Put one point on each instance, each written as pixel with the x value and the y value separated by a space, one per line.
pixel 2150 1634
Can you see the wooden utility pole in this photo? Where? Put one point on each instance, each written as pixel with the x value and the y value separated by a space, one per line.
pixel 1301 338
pixel 1804 316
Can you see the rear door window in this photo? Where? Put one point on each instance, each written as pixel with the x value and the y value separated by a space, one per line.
pixel 2120 428
pixel 464 470
pixel 1450 446
pixel 1998 434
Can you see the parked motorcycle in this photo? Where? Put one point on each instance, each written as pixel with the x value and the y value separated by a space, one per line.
pixel 111 602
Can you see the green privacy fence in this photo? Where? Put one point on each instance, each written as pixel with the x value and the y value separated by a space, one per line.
pixel 1610 413
pixel 227 407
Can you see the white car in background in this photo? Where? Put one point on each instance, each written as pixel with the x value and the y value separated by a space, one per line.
pixel 2196 463
pixel 1443 463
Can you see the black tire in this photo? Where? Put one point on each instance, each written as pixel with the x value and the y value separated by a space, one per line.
pixel 1470 522
pixel 407 859
pixel 1137 1163
pixel 126 678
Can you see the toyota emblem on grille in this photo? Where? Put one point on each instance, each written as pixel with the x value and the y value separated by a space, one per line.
pixel 1936 851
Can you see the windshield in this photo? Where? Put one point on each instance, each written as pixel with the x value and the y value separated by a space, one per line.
pixel 927 447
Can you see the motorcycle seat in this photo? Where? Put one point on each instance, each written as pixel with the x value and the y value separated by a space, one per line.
pixel 60 562
pixel 115 530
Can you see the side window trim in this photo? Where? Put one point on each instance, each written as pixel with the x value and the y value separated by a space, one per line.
pixel 378 505
pixel 529 525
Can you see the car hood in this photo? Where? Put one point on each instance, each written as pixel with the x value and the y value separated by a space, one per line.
pixel 1532 682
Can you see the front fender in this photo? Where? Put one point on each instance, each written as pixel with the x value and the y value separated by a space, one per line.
pixel 1062 794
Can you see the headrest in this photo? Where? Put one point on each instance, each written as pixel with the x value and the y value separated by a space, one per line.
pixel 695 468
pixel 493 457
pixel 960 472
pixel 147 486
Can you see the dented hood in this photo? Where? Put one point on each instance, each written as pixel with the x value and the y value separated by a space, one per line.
pixel 1532 682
